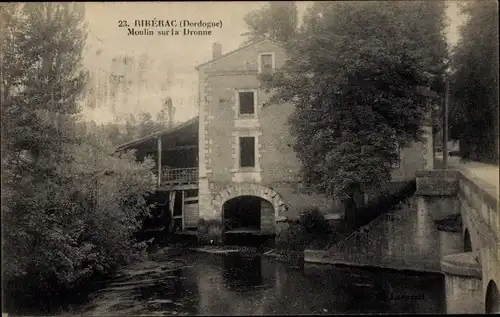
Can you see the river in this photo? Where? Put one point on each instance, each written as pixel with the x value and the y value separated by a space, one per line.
pixel 236 284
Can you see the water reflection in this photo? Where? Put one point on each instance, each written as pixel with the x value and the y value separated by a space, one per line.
pixel 243 285
pixel 242 271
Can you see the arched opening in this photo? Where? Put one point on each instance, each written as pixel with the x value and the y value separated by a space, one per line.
pixel 467 241
pixel 249 213
pixel 242 213
pixel 248 220
pixel 492 301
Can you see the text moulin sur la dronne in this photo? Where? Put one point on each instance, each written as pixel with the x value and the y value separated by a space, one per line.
pixel 169 27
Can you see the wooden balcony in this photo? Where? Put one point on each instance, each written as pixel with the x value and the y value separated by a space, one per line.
pixel 179 177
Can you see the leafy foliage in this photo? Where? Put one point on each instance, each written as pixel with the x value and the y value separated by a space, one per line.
pixel 276 21
pixel 474 83
pixel 132 128
pixel 313 220
pixel 69 207
pixel 360 76
pixel 311 230
pixel 292 238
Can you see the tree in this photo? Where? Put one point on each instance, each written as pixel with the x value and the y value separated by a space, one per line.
pixel 41 85
pixel 276 21
pixel 146 124
pixel 134 126
pixel 113 133
pixel 43 78
pixel 166 114
pixel 69 206
pixel 474 83
pixel 359 74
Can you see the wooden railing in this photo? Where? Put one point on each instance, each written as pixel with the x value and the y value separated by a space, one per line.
pixel 179 176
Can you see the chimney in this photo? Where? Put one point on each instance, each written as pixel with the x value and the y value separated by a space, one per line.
pixel 216 50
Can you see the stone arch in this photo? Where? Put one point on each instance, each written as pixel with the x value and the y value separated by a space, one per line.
pixel 492 300
pixel 246 189
pixel 467 241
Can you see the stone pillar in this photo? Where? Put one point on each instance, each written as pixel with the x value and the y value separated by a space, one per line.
pixel 437 193
pixel 464 287
pixel 210 228
pixel 206 210
pixel 266 217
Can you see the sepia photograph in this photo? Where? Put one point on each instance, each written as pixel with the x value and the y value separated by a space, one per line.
pixel 250 158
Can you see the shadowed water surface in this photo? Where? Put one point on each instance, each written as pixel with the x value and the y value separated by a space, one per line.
pixel 251 285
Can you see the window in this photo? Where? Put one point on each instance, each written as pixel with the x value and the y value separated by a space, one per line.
pixel 247 152
pixel 266 62
pixel 246 102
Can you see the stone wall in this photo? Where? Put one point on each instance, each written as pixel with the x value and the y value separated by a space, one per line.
pixel 437 183
pixel 480 217
pixel 463 294
pixel 267 217
pixel 469 273
pixel 415 157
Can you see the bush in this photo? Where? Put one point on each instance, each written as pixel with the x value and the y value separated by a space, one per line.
pixel 78 222
pixel 312 220
pixel 312 230
pixel 292 238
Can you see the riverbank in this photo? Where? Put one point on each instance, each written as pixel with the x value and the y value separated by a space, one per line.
pixel 224 250
pixel 248 283
pixel 294 258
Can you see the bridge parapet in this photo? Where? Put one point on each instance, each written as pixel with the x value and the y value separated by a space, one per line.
pixel 474 192
pixel 480 202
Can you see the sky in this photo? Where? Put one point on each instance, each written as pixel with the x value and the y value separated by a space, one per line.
pixel 177 55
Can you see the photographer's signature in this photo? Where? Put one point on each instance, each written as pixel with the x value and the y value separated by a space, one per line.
pixel 392 298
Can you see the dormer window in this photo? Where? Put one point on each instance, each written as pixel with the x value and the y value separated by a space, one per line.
pixel 266 62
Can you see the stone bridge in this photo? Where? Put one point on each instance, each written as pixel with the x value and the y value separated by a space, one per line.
pixel 472 275
pixel 451 227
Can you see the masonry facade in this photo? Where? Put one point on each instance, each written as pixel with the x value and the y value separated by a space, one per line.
pixel 245 149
